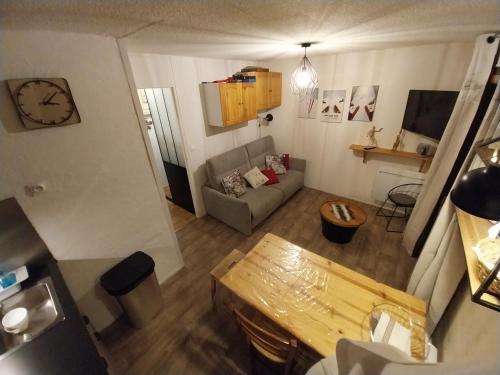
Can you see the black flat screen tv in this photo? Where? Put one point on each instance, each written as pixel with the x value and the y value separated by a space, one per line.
pixel 428 111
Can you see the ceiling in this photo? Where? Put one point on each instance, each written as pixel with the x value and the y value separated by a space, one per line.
pixel 258 29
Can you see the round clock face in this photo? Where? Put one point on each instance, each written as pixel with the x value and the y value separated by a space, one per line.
pixel 44 102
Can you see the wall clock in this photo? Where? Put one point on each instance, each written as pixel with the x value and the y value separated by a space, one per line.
pixel 43 102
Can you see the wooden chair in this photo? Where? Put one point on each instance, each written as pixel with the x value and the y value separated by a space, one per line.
pixel 267 341
pixel 222 268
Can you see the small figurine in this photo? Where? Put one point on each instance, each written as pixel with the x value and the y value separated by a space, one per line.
pixel 371 136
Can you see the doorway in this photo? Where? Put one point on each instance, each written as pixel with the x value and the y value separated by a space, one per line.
pixel 160 114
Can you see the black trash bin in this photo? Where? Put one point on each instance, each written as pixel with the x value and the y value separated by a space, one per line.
pixel 133 282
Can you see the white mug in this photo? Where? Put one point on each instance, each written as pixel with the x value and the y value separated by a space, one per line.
pixel 16 320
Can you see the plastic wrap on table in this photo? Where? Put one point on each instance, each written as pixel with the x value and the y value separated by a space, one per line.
pixel 312 297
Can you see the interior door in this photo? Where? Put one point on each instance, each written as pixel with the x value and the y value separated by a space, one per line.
pixel 160 111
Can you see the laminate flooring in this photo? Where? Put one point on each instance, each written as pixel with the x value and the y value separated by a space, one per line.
pixel 188 337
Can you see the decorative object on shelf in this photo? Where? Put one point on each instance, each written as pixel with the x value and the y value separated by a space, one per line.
pixel 332 105
pixel 478 193
pixel 43 102
pixel 363 100
pixel 304 79
pixel 397 142
pixel 426 149
pixel 308 105
pixel 372 141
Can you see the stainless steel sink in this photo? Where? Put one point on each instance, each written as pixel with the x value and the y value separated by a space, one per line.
pixel 44 311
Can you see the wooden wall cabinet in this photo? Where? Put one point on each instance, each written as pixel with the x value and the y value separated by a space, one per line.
pixel 268 89
pixel 228 104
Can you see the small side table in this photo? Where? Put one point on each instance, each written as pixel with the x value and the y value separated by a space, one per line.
pixel 339 230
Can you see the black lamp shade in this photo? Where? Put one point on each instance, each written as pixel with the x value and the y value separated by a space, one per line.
pixel 478 192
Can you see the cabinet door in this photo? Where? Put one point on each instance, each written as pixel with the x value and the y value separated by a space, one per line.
pixel 274 89
pixel 261 89
pixel 249 101
pixel 231 103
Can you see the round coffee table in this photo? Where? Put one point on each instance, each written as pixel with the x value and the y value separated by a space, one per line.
pixel 340 230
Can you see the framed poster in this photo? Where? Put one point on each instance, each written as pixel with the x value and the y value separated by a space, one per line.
pixel 332 105
pixel 363 100
pixel 308 105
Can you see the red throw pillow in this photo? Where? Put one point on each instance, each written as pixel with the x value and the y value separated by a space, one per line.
pixel 271 175
pixel 286 160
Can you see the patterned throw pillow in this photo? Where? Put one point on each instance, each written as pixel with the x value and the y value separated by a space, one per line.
pixel 276 163
pixel 233 184
pixel 255 177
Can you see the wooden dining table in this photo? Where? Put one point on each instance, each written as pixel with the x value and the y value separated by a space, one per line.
pixel 315 299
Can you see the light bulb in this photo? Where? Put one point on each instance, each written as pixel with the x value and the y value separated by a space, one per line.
pixel 302 79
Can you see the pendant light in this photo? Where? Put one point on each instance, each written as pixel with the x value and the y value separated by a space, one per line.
pixel 304 79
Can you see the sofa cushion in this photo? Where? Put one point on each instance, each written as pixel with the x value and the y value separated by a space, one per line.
pixel 289 183
pixel 276 163
pixel 255 177
pixel 262 202
pixel 258 149
pixel 233 184
pixel 272 178
pixel 221 165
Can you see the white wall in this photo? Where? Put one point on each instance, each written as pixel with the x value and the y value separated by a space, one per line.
pixel 331 166
pixel 102 202
pixel 185 74
pixel 468 331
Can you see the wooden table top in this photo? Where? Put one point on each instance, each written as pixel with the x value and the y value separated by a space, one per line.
pixel 313 298
pixel 359 215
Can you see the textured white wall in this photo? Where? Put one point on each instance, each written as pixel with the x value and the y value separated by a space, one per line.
pixel 468 331
pixel 185 74
pixel 102 201
pixel 331 166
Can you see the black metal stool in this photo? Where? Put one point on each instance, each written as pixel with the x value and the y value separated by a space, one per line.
pixel 402 196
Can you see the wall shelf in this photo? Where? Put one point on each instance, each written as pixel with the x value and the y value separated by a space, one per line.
pixel 472 229
pixel 425 161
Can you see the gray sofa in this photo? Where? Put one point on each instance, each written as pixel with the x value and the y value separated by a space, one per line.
pixel 250 209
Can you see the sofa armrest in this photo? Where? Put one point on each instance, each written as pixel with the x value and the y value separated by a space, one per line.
pixel 298 164
pixel 232 211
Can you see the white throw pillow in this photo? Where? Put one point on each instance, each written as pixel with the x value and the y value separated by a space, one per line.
pixel 255 177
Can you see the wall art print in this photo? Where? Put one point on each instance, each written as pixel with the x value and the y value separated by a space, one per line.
pixel 332 105
pixel 363 100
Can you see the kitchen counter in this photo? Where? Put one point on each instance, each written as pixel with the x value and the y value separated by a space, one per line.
pixel 64 349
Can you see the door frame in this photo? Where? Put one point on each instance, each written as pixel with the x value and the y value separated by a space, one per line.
pixel 122 46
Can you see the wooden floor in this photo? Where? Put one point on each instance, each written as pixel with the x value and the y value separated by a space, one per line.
pixel 189 338
pixel 180 216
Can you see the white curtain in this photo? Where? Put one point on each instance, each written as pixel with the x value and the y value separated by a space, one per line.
pixel 460 121
pixel 442 264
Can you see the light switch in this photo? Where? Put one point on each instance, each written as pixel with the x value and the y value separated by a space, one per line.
pixel 34 189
